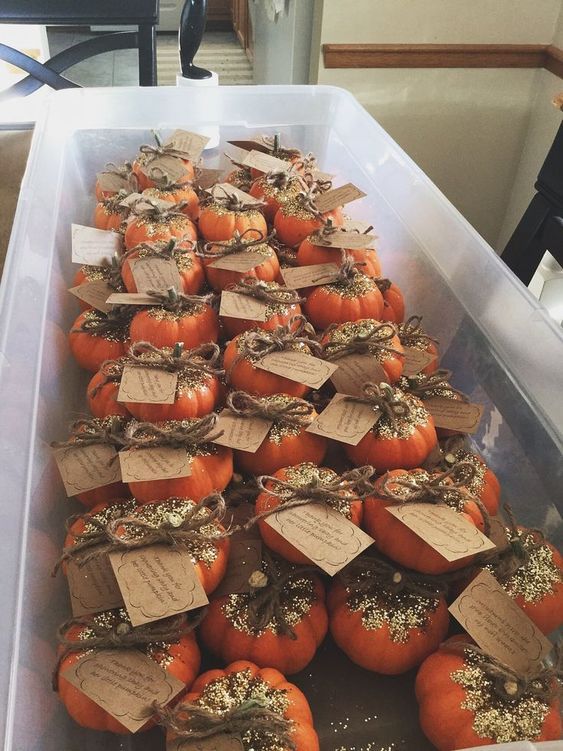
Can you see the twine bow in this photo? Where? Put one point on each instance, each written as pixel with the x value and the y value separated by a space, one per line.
pixel 424 386
pixel 194 722
pixel 293 412
pixel 521 543
pixel 153 152
pixel 125 171
pixel 200 359
pixel 132 532
pixel 220 249
pixel 230 201
pixel 160 249
pixel 306 199
pixel 122 635
pixel 368 574
pixel 261 290
pixel 268 588
pixel 95 431
pixel 281 179
pixel 258 343
pixel 383 398
pixel 150 209
pixel 410 332
pixel 439 489
pixel 349 270
pixel 116 322
pixel 351 486
pixel 176 433
pixel 176 302
pixel 373 341
pixel 506 683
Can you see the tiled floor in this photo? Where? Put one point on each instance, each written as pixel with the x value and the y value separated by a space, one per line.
pixel 220 51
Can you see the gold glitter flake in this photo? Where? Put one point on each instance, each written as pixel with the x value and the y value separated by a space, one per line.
pixel 242 339
pixel 104 516
pixel 161 314
pixel 189 380
pixel 281 429
pixel 358 286
pixel 295 603
pixel 235 689
pixel 503 721
pixel 402 612
pixel 118 335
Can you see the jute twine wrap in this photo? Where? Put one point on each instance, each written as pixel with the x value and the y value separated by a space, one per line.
pixel 131 532
pixel 268 586
pixel 423 385
pixel 176 302
pixel 281 179
pixel 229 201
pixel 122 635
pixel 373 341
pixel 383 398
pixel 258 343
pixel 517 554
pixel 153 152
pixel 329 229
pixel 368 574
pixel 149 209
pixel 353 485
pixel 193 722
pixel 91 432
pixel 259 290
pixel 159 249
pixel 453 482
pixel 178 434
pixel 507 684
pixel 221 248
pixel 295 412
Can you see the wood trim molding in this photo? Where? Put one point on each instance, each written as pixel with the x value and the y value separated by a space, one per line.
pixel 444 56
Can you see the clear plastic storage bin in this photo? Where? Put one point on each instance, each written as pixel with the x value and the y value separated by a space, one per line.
pixel 501 345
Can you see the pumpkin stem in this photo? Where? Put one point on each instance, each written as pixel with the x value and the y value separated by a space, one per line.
pixel 178 349
pixel 276 143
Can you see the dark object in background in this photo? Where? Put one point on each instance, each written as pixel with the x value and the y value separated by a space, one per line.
pixel 192 25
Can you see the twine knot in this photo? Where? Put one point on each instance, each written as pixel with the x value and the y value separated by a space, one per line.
pixel 368 575
pixel 291 410
pixel 267 292
pixel 373 340
pixel 238 243
pixel 385 399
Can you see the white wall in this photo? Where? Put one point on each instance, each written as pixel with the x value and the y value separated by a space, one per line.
pixel 465 127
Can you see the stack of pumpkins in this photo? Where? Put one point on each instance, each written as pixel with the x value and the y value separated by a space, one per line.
pixel 387 610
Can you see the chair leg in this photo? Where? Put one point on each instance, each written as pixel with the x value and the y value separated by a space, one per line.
pixel 525 248
pixel 147 55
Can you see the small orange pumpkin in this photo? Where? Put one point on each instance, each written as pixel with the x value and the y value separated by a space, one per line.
pixel 123 177
pixel 287 441
pixel 352 297
pixel 266 270
pixel 179 657
pixel 198 390
pixel 96 337
pixel 152 221
pixel 190 268
pixel 223 214
pixel 303 481
pixel 386 619
pixel 245 350
pixel 393 301
pixel 312 251
pixel 281 622
pixel 530 570
pixel 240 177
pixel 282 306
pixel 395 539
pixel 147 176
pixel 109 214
pixel 103 388
pixel 188 319
pixel 298 218
pixel 403 435
pixel 175 193
pixel 275 188
pixel 211 465
pixel 244 683
pixel 365 337
pixel 483 708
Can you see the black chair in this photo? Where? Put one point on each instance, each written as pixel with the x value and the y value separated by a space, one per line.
pixel 140 13
pixel 541 227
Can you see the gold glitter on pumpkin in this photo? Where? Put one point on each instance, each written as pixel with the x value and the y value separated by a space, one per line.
pixel 405 425
pixel 402 612
pixel 358 286
pixel 104 516
pixel 162 314
pixel 243 338
pixel 234 689
pixel 538 576
pixel 188 380
pixel 444 389
pixel 281 429
pixel 296 600
pixel 503 721
pixel 118 335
